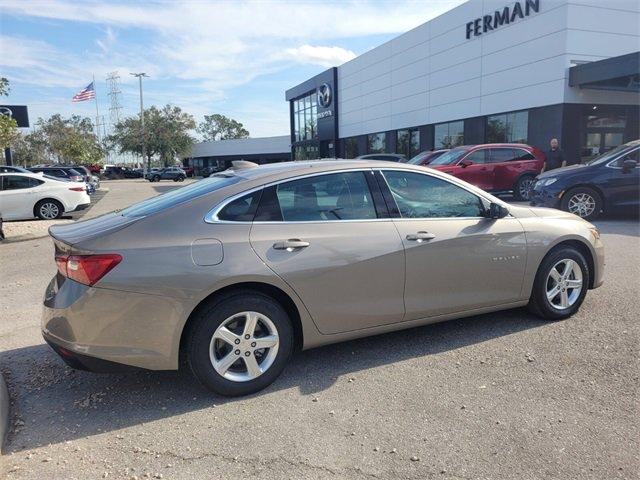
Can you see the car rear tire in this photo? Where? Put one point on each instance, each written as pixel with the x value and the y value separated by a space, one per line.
pixel 156 178
pixel 522 188
pixel 48 209
pixel 560 285
pixel 582 201
pixel 224 345
pixel 181 178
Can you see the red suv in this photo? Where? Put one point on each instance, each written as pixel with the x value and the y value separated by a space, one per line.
pixel 494 167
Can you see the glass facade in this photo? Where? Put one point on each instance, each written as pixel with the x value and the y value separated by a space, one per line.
pixel 305 152
pixel 351 147
pixel 448 135
pixel 508 127
pixel 376 143
pixel 305 118
pixel 408 142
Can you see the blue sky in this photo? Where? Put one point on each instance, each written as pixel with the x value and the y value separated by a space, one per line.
pixel 234 58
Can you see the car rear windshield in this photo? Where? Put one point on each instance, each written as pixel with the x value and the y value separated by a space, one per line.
pixel 450 157
pixel 180 195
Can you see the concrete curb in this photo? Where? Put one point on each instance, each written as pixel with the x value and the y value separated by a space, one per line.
pixel 4 412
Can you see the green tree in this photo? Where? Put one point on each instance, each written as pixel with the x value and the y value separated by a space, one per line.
pixel 70 140
pixel 166 134
pixel 31 149
pixel 4 87
pixel 8 131
pixel 219 127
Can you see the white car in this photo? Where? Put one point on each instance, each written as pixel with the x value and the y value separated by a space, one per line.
pixel 27 195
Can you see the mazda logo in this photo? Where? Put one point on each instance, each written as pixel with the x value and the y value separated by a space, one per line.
pixel 324 95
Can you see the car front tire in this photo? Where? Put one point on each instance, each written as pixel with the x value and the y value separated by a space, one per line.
pixel 582 201
pixel 560 285
pixel 522 188
pixel 240 343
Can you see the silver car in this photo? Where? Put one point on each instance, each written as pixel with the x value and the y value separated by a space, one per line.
pixel 234 272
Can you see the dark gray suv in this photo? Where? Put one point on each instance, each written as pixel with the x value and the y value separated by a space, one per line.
pixel 170 173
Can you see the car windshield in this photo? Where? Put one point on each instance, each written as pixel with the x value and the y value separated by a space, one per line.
pixel 452 156
pixel 610 155
pixel 417 160
pixel 180 195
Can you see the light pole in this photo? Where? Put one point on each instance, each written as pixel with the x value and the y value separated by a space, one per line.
pixel 146 168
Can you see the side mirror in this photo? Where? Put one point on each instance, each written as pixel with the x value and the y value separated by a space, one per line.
pixel 465 163
pixel 497 211
pixel 628 165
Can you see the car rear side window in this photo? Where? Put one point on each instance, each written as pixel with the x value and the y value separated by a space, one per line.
pixel 523 154
pixel 501 155
pixel 423 196
pixel 179 195
pixel 331 197
pixel 241 209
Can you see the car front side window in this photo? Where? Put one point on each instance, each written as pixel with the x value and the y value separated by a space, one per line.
pixel 336 196
pixel 423 196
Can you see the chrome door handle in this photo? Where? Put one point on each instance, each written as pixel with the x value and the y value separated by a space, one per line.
pixel 420 236
pixel 290 245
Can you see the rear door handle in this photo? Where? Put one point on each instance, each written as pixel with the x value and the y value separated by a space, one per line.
pixel 290 245
pixel 420 236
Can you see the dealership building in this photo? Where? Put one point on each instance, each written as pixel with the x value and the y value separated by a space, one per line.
pixel 487 71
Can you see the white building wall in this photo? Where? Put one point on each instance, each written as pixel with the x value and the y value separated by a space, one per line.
pixel 433 74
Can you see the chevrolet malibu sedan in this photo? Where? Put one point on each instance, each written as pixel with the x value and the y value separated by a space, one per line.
pixel 234 272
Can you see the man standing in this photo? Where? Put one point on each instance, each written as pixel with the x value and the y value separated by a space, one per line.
pixel 555 157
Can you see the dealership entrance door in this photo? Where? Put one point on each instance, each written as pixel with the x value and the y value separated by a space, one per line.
pixel 602 130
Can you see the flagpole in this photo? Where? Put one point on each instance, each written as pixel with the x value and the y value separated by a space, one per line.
pixel 95 96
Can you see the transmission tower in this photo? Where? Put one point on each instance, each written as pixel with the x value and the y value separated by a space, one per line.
pixel 113 87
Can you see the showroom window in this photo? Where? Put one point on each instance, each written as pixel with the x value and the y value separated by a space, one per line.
pixel 305 118
pixel 376 143
pixel 306 152
pixel 408 142
pixel 508 127
pixel 449 135
pixel 351 147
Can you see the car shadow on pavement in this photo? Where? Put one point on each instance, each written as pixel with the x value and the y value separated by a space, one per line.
pixel 53 403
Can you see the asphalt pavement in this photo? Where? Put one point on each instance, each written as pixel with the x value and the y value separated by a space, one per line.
pixel 503 395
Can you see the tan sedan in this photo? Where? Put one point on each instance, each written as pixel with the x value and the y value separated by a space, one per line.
pixel 234 272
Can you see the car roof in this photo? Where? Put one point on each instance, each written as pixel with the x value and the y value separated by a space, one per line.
pixel 493 145
pixel 22 174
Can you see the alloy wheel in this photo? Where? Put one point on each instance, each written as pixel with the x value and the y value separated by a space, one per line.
pixel 244 346
pixel 49 210
pixel 581 204
pixel 564 284
pixel 525 188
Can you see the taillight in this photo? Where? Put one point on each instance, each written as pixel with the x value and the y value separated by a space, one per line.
pixel 77 189
pixel 87 269
pixel 76 178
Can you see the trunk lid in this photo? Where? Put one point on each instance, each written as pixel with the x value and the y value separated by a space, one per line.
pixel 67 236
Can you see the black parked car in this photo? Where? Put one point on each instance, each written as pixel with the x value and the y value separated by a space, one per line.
pixel 170 173
pixel 609 182
pixel 12 169
pixel 115 173
pixel 61 172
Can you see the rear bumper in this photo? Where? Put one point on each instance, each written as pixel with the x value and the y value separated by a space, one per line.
pixel 82 206
pixel 95 328
pixel 85 362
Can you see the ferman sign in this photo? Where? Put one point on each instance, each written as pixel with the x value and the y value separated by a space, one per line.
pixel 502 17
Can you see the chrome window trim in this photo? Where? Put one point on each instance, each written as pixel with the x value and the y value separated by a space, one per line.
pixel 608 164
pixel 212 215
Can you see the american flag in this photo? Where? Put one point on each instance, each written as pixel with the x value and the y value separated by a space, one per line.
pixel 87 93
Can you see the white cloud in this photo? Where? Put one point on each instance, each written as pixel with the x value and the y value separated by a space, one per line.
pixel 324 56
